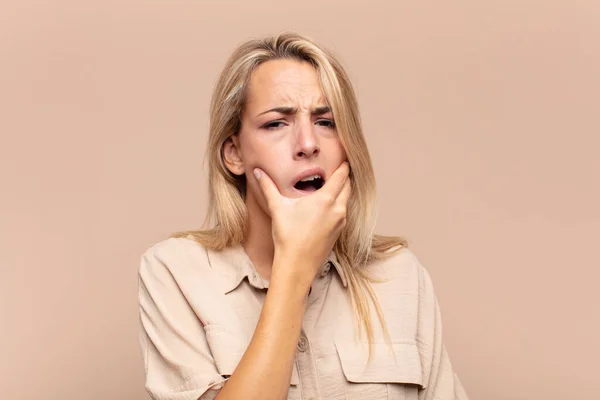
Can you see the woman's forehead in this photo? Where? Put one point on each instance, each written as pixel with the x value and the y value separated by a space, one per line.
pixel 284 83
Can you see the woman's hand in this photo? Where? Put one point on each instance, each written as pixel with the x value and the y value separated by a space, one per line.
pixel 305 229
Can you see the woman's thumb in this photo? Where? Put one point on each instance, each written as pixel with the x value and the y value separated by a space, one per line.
pixel 267 186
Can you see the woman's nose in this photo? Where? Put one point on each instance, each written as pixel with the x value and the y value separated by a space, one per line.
pixel 307 142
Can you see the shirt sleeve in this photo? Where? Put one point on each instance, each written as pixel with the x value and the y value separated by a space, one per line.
pixel 177 359
pixel 440 381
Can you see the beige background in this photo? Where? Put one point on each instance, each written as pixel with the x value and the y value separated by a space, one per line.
pixel 482 118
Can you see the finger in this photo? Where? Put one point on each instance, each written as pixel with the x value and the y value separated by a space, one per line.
pixel 336 182
pixel 267 186
pixel 345 193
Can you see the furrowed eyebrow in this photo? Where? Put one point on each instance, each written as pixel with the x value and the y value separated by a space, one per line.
pixel 294 110
pixel 321 110
pixel 281 110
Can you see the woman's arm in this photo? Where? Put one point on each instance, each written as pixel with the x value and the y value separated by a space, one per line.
pixel 265 370
pixel 441 382
pixel 304 231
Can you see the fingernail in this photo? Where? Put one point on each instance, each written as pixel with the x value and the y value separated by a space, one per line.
pixel 257 173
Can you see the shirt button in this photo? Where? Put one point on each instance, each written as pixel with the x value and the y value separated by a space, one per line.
pixel 326 268
pixel 302 344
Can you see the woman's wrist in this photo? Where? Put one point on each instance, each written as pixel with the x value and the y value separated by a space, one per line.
pixel 293 273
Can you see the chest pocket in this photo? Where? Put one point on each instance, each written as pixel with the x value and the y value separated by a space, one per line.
pixel 393 373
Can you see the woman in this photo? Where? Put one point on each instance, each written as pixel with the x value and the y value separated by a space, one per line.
pixel 252 308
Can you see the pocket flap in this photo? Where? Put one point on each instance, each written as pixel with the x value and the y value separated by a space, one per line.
pixel 228 349
pixel 399 363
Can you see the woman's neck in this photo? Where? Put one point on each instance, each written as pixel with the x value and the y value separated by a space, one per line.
pixel 258 242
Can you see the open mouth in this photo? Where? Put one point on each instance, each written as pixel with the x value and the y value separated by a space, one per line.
pixel 310 183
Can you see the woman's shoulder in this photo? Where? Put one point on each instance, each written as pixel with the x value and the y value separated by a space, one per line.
pixel 173 245
pixel 401 260
pixel 402 270
pixel 176 254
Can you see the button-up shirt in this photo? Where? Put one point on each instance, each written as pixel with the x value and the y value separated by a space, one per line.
pixel 199 309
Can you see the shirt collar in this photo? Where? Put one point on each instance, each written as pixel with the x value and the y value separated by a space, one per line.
pixel 233 264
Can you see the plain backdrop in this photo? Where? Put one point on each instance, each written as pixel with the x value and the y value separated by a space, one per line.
pixel 482 118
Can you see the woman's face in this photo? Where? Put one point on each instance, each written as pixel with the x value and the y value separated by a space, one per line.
pixel 287 130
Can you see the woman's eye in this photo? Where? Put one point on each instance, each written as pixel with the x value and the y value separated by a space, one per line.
pixel 273 125
pixel 326 123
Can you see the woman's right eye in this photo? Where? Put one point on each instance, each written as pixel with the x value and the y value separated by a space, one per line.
pixel 273 125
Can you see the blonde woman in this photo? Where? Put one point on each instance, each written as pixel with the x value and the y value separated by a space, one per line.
pixel 288 293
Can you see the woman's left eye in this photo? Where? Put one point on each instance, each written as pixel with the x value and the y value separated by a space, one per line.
pixel 326 123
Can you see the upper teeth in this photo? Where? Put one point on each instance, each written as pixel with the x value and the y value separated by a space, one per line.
pixel 310 178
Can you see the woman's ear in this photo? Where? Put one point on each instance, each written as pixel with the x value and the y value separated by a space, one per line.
pixel 232 156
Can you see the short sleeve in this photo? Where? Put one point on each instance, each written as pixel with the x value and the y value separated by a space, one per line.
pixel 440 381
pixel 177 359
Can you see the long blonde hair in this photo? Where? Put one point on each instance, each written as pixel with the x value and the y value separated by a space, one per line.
pixel 227 215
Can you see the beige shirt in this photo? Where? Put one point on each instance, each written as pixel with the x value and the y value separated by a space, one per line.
pixel 199 309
